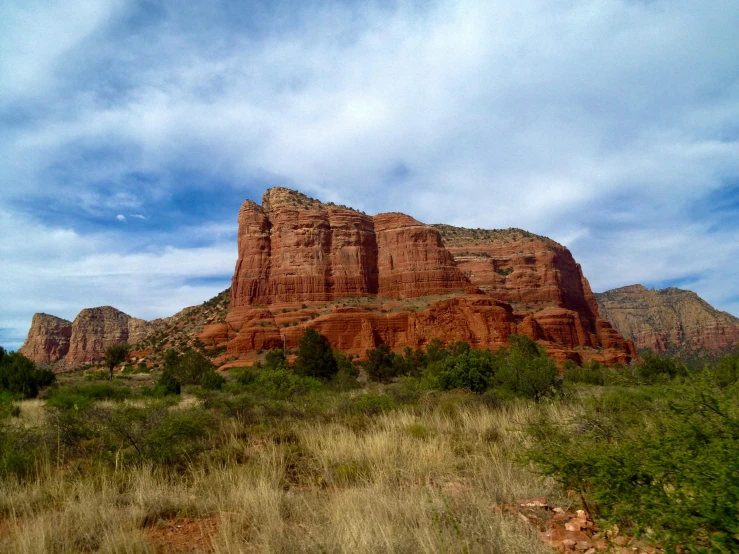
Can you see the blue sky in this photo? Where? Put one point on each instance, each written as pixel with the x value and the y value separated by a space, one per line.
pixel 131 131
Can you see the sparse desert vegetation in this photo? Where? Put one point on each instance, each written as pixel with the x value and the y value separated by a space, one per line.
pixel 421 459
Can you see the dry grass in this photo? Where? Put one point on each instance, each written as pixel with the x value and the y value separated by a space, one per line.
pixel 407 481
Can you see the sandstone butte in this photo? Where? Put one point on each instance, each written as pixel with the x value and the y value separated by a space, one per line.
pixel 52 339
pixel 669 320
pixel 361 281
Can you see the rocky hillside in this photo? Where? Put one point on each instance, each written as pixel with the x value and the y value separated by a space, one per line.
pixel 669 320
pixel 361 281
pixel 63 344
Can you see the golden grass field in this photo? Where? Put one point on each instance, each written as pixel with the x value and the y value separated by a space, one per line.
pixel 421 478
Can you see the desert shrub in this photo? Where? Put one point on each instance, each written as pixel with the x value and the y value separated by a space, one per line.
pixel 406 390
pixel 589 374
pixel 659 462
pixel 380 364
pixel 167 385
pixel 655 369
pixel 470 369
pixel 415 361
pixel 116 354
pixel 190 368
pixel 527 372
pixel 212 381
pixel 18 374
pixel 369 404
pixel 525 346
pixel 19 451
pixel 98 391
pixel 45 377
pixel 277 384
pixel 726 371
pixel 347 374
pixel 175 437
pixel 435 351
pixel 275 359
pixel 315 356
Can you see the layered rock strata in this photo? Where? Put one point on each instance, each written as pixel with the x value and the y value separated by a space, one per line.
pixel 301 262
pixel 52 340
pixel 668 320
pixel 361 281
pixel 95 329
pixel 48 339
pixel 540 279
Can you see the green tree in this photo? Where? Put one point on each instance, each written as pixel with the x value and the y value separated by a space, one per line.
pixel 212 381
pixel 528 372
pixel 315 356
pixel 115 354
pixel 275 359
pixel 380 364
pixel 18 374
pixel 472 369
pixel 167 384
pixel 191 367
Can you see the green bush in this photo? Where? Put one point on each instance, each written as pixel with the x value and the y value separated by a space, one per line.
pixel 18 374
pixel 315 357
pixel 656 369
pixel 277 384
pixel 726 371
pixel 380 364
pixel 346 377
pixel 167 385
pixel 588 374
pixel 659 462
pixel 275 359
pixel 212 381
pixel 369 404
pixel 20 449
pixel 190 368
pixel 470 369
pixel 175 437
pixel 528 372
pixel 116 354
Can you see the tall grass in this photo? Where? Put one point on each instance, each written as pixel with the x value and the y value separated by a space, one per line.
pixel 424 478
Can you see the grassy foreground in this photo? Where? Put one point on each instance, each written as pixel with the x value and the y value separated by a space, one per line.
pixel 382 469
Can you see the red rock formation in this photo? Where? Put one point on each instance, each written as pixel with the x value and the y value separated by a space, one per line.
pixel 541 279
pixel 295 251
pixel 362 281
pixel 95 329
pixel 412 260
pixel 669 320
pixel 48 339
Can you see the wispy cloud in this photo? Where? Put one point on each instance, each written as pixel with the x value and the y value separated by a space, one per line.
pixel 607 125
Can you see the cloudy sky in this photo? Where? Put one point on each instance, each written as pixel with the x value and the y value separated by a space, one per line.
pixel 131 131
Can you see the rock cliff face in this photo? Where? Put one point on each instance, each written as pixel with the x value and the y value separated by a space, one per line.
pixel 48 339
pixel 52 340
pixel 668 320
pixel 358 279
pixel 539 278
pixel 95 329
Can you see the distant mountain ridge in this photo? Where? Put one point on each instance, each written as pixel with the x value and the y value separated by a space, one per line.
pixel 670 320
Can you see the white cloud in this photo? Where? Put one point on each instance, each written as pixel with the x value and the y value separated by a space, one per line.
pixel 121 217
pixel 599 123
